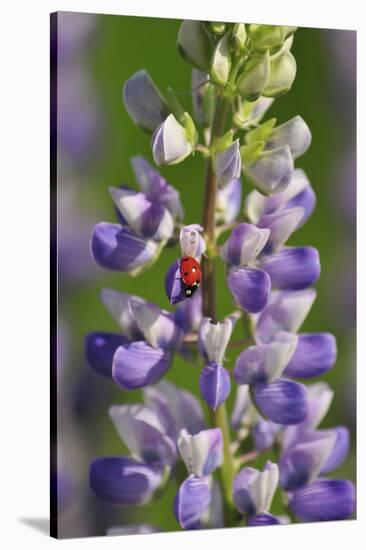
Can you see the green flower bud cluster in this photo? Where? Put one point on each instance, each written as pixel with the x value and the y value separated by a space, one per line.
pixel 261 53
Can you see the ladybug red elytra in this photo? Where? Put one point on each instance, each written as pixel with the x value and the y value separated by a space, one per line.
pixel 190 272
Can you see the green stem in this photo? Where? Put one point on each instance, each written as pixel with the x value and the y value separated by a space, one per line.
pixel 219 417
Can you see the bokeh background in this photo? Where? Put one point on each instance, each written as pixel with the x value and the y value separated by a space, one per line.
pixel 95 140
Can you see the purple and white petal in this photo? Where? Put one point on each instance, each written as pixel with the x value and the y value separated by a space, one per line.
pixel 147 218
pixel 100 348
pixel 292 268
pixel 250 288
pixel 244 244
pixel 169 142
pixel 281 225
pixel 315 354
pixel 143 434
pixel 137 365
pixel 242 406
pixel 264 433
pixel 177 409
pixel 260 107
pixel 143 101
pixel 263 519
pixel 253 490
pixel 214 384
pixel 295 133
pixel 320 396
pixel 188 314
pixel 228 164
pixel 339 451
pixel 123 481
pixel 192 501
pixel 191 241
pixel 156 187
pixel 264 363
pixel 157 326
pixel 213 339
pixel 174 287
pixel 117 248
pixel 118 305
pixel 324 500
pixel 298 194
pixel 202 453
pixel 285 311
pixel 303 461
pixel 283 401
pixel 228 201
pixel 272 172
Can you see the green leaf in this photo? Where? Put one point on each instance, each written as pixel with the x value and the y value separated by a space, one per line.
pixel 262 132
pixel 175 106
pixel 222 143
pixel 251 152
pixel 190 129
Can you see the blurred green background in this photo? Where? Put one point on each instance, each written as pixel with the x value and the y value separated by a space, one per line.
pixel 323 94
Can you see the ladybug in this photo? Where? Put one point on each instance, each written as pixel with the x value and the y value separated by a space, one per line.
pixel 190 272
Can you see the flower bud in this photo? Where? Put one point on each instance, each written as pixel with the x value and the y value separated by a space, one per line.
pixel 254 490
pixel 272 171
pixel 295 133
pixel 266 37
pixel 239 36
pixel 143 101
pixel 215 27
pixel 221 61
pixel 194 44
pixel 170 144
pixel 191 241
pixel 202 453
pixel 228 164
pixel 255 77
pixel 282 74
pixel 214 384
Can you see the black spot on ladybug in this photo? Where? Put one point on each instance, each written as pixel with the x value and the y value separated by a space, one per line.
pixel 186 274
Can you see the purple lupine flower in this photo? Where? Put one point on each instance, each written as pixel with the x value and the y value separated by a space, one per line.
pixel 143 101
pixel 123 481
pixel 214 379
pixel 253 490
pixel 118 248
pixel 298 194
pixel 156 187
pixel 100 347
pixel 249 285
pixel 191 244
pixel 143 434
pixel 271 173
pixel 315 353
pixel 170 144
pixel 324 500
pixel 295 133
pixel 147 218
pixel 176 409
pixel 282 401
pixel 228 202
pixel 202 454
pixel 228 164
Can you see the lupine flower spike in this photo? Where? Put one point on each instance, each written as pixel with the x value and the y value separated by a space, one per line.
pixel 237 73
